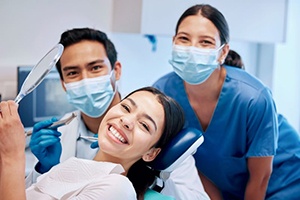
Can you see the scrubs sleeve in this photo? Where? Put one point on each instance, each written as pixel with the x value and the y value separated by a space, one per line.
pixel 262 129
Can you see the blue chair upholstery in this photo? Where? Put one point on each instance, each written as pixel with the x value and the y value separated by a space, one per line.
pixel 184 144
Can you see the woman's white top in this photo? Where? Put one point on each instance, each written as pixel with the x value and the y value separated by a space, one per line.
pixel 82 179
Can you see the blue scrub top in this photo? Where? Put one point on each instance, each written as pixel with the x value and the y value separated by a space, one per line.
pixel 244 124
pixel 284 182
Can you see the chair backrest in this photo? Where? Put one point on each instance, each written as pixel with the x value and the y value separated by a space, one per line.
pixel 184 144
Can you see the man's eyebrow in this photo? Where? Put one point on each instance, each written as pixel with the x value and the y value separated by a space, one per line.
pixel 96 61
pixel 66 68
pixel 69 68
pixel 145 115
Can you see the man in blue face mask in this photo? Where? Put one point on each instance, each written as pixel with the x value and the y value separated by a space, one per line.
pixel 89 71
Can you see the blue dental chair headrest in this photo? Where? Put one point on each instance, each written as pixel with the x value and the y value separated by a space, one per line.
pixel 184 144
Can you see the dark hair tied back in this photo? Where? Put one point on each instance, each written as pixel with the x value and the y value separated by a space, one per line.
pixel 212 14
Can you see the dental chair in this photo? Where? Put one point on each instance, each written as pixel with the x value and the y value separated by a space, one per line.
pixel 184 144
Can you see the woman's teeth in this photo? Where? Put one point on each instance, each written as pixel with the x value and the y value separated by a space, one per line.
pixel 117 134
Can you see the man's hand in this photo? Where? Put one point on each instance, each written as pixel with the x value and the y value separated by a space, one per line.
pixel 95 145
pixel 45 145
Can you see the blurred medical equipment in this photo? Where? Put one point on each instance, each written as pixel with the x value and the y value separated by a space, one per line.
pixel 39 71
pixel 57 124
pixel 46 101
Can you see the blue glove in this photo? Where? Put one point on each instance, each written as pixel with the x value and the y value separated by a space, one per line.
pixel 45 145
pixel 95 145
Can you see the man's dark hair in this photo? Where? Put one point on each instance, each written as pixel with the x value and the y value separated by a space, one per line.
pixel 76 35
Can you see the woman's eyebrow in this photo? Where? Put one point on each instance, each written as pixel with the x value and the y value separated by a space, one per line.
pixel 145 115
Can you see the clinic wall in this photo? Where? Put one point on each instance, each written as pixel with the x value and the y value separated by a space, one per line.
pixel 30 28
pixel 247 19
pixel 286 72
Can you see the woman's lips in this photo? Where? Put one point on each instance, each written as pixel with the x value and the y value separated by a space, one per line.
pixel 117 135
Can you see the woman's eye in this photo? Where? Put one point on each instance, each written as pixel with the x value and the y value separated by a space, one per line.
pixel 125 107
pixel 182 38
pixel 145 126
pixel 206 43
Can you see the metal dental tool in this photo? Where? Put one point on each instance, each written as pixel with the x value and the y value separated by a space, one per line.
pixel 56 124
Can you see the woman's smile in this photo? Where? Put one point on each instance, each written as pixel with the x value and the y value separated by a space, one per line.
pixel 117 136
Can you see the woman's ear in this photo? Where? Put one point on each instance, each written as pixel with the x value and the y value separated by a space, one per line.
pixel 224 53
pixel 151 154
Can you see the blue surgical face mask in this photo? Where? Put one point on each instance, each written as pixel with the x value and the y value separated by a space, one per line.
pixel 194 65
pixel 92 96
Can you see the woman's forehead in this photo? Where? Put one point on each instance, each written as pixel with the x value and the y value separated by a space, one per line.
pixel 147 104
pixel 198 21
pixel 144 97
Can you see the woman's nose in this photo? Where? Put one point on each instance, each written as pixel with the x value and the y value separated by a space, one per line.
pixel 127 123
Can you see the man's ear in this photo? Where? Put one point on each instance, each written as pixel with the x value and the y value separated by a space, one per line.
pixel 151 154
pixel 63 85
pixel 118 70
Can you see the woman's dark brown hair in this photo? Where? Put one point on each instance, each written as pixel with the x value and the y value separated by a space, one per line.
pixel 140 174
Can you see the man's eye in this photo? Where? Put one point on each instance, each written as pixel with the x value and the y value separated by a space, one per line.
pixel 72 73
pixel 97 67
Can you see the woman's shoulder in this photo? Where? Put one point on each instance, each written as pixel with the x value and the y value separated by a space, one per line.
pixel 113 186
pixel 165 78
pixel 244 79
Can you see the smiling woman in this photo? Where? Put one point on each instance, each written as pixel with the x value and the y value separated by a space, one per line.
pixel 235 111
pixel 131 134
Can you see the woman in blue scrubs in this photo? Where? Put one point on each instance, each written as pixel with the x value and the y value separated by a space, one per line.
pixel 235 111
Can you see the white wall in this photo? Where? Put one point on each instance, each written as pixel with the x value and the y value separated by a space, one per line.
pixel 286 74
pixel 250 20
pixel 140 65
pixel 30 28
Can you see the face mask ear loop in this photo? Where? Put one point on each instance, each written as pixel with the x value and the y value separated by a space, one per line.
pixel 219 50
pixel 113 81
pixel 221 47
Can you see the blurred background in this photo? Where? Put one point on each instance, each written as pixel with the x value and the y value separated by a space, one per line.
pixel 264 32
